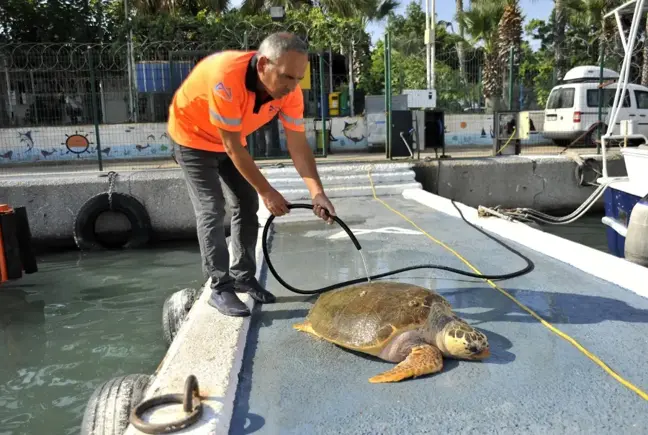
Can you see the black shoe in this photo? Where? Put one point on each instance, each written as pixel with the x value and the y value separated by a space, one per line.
pixel 254 289
pixel 228 303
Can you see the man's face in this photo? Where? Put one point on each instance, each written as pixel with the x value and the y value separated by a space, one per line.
pixel 282 76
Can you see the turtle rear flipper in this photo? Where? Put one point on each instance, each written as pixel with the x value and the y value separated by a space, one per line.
pixel 306 327
pixel 422 360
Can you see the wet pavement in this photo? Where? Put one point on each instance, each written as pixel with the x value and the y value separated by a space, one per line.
pixel 534 382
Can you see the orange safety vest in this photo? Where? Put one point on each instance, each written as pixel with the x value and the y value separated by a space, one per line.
pixel 221 91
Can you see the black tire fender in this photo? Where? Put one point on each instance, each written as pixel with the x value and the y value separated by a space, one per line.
pixel 175 310
pixel 140 221
pixel 108 409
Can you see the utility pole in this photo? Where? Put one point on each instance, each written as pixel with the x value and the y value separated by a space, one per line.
pixel 130 64
pixel 430 34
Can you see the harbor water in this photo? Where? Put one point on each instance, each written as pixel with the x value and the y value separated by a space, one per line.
pixel 86 318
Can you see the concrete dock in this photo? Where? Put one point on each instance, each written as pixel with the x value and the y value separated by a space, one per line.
pixel 535 381
pixel 569 367
pixel 563 338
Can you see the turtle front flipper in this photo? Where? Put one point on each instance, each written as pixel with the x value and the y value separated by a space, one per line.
pixel 422 360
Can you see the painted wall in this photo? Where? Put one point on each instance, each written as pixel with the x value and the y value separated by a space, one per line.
pixel 150 140
pixel 472 130
pixel 128 141
pixel 344 133
pixel 79 142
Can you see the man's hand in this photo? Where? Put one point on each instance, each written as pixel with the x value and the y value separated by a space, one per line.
pixel 275 202
pixel 321 205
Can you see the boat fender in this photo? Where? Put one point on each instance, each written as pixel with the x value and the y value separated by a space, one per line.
pixel 636 241
pixel 23 234
pixel 108 409
pixel 16 254
pixel 10 263
pixel 84 224
pixel 175 310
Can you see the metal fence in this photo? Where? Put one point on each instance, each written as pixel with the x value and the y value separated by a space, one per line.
pixel 107 104
pixel 63 104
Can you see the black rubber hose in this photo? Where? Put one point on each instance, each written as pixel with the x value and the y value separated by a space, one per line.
pixel 529 267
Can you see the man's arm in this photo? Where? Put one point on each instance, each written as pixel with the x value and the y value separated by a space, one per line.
pixel 292 119
pixel 291 116
pixel 304 161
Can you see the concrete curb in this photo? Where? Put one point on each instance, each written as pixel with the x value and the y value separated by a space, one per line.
pixel 592 261
pixel 210 346
pixel 407 175
pixel 342 168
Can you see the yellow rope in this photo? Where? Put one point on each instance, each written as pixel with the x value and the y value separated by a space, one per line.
pixel 552 328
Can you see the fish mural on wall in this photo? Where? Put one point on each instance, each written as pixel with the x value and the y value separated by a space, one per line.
pixel 353 132
pixel 27 139
pixel 348 132
pixel 46 153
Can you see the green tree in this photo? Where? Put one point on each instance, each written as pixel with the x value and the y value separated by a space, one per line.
pixel 537 69
pixel 55 21
pixel 481 21
pixel 408 61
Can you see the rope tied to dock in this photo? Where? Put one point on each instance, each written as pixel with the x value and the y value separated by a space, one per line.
pixel 527 215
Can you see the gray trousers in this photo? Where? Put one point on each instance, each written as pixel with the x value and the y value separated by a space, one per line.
pixel 214 181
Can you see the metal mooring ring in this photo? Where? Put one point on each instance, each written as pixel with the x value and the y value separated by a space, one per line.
pixel 191 404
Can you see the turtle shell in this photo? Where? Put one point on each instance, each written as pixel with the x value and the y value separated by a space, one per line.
pixel 369 315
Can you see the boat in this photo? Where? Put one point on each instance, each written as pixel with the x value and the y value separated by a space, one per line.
pixel 623 195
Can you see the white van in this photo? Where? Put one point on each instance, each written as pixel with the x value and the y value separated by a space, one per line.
pixel 572 106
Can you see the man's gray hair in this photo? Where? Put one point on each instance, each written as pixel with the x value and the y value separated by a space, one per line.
pixel 276 44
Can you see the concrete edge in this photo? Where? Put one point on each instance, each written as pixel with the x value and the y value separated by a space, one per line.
pixel 211 346
pixel 591 261
pixel 325 169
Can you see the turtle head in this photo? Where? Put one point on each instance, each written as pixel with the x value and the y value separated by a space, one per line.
pixel 462 341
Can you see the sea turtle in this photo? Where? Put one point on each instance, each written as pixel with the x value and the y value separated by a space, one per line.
pixel 401 323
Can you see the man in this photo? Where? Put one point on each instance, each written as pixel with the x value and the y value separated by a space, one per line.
pixel 226 97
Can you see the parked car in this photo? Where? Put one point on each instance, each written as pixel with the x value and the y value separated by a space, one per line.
pixel 572 106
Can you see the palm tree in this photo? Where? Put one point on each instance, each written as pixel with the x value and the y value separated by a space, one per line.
pixel 509 38
pixel 461 53
pixel 560 23
pixel 584 17
pixel 644 66
pixel 481 21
